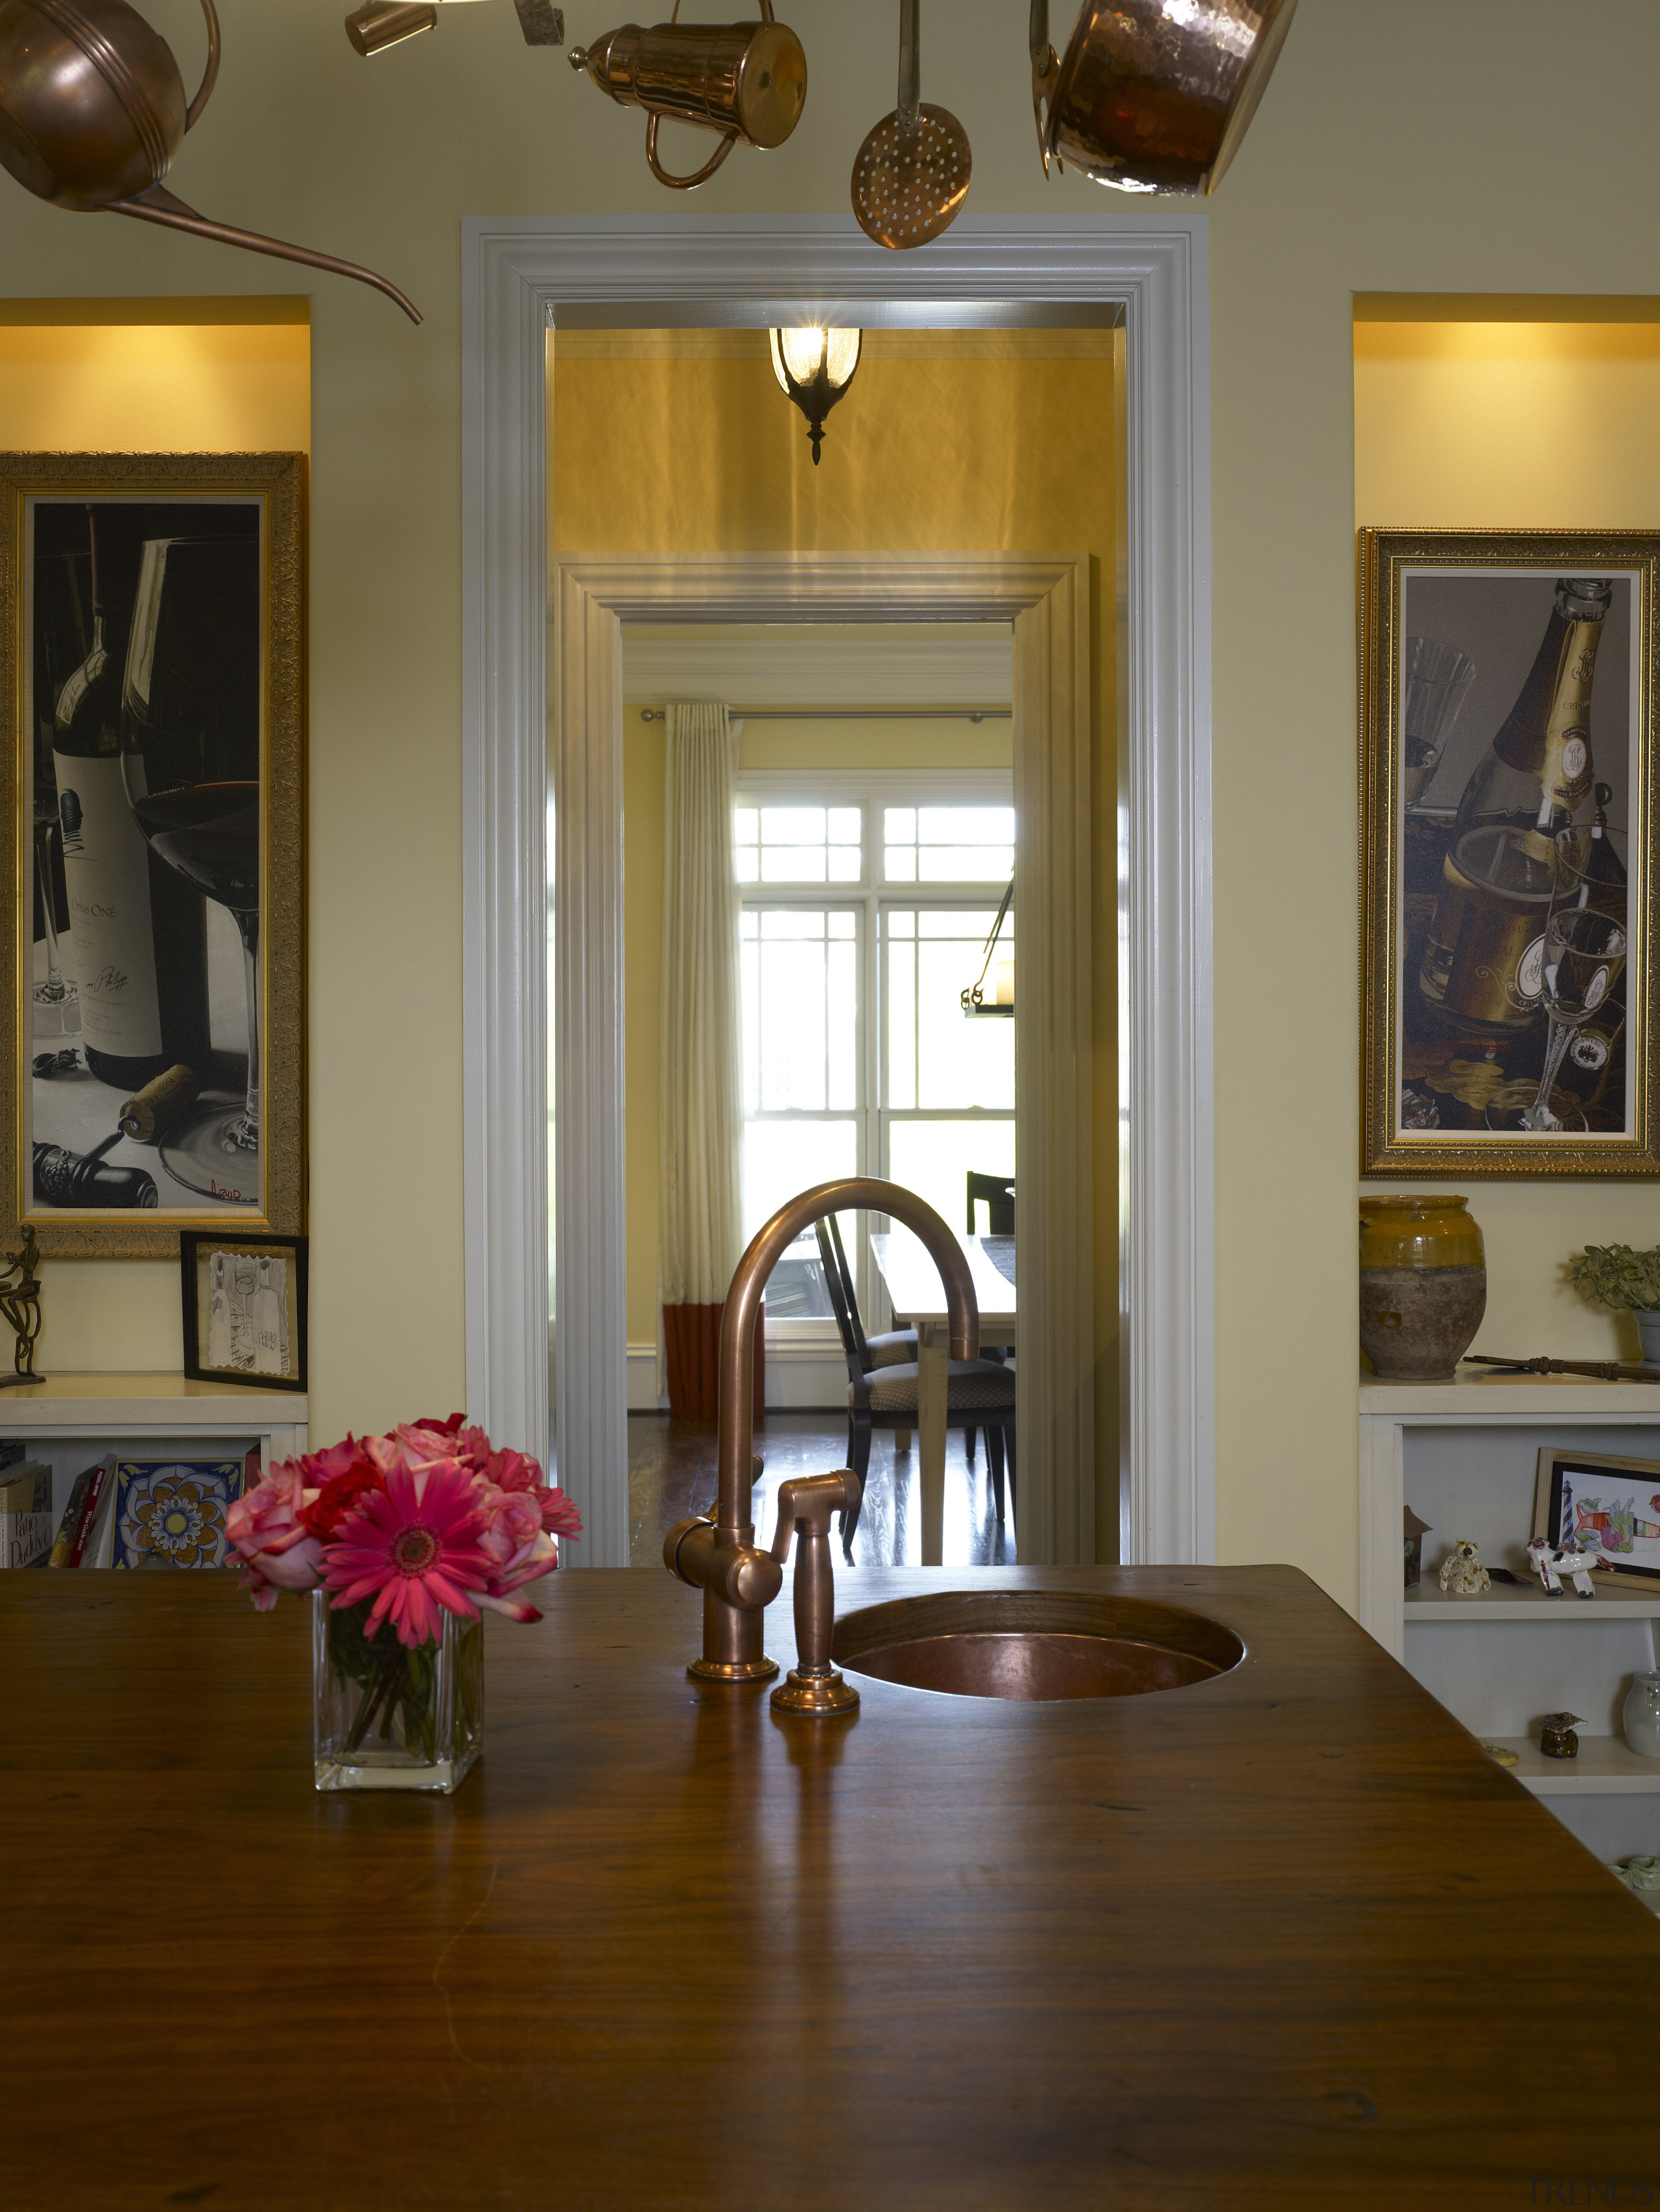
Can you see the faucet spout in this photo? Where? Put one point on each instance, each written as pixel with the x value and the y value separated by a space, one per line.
pixel 719 1556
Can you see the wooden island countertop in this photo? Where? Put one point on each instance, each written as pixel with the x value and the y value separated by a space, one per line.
pixel 1282 1939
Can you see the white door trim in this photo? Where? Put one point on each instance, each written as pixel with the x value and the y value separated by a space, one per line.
pixel 1046 596
pixel 751 270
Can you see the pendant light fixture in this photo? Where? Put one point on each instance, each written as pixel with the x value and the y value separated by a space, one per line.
pixel 814 367
pixel 1001 1001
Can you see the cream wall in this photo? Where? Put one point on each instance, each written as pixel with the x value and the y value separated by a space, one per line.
pixel 1519 424
pixel 1495 146
pixel 121 385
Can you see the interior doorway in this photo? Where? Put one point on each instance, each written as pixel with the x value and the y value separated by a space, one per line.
pixel 1149 272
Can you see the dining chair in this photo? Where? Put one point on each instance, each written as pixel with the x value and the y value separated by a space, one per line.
pixel 997 1193
pixel 979 1392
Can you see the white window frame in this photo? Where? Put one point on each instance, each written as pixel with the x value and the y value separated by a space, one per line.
pixel 871 789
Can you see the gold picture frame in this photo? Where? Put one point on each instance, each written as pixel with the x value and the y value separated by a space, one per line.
pixel 145 1182
pixel 1472 662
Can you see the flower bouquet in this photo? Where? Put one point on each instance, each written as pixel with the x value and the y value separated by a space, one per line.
pixel 401 1539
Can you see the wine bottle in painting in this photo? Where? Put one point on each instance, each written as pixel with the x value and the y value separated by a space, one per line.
pixel 1482 967
pixel 137 938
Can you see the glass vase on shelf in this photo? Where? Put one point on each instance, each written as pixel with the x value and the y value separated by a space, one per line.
pixel 389 1718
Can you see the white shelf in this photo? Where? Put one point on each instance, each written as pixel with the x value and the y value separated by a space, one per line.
pixel 1429 1604
pixel 1475 1396
pixel 1604 1768
pixel 69 1402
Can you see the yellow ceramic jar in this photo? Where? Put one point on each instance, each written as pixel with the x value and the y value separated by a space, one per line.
pixel 1423 1285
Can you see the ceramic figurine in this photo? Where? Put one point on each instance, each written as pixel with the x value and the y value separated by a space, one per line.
pixel 1462 1572
pixel 1556 1737
pixel 1500 1755
pixel 1549 1560
pixel 1639 1873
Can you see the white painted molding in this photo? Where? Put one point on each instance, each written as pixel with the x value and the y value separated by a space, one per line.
pixel 886 669
pixel 1150 266
pixel 1046 598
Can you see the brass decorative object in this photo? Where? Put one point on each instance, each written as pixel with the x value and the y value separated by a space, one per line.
pixel 814 368
pixel 92 112
pixel 747 80
pixel 381 24
pixel 717 1553
pixel 20 1302
pixel 911 175
pixel 1153 95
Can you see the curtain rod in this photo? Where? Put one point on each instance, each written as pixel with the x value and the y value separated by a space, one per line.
pixel 854 714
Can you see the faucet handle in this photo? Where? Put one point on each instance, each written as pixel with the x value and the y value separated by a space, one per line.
pixel 804 1507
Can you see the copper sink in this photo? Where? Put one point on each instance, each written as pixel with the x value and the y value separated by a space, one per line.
pixel 1034 1644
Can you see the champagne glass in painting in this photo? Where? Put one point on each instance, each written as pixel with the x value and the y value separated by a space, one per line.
pixel 1580 956
pixel 191 730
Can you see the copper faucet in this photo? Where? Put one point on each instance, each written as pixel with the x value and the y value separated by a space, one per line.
pixel 716 1552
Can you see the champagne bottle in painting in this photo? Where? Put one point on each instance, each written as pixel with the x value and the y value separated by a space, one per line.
pixel 191 718
pixel 1482 964
pixel 138 934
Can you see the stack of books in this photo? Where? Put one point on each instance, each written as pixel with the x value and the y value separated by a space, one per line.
pixel 28 1538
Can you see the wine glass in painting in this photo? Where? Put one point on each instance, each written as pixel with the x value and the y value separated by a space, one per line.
pixel 190 737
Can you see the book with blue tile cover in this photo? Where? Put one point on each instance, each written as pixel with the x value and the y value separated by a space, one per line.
pixel 170 1513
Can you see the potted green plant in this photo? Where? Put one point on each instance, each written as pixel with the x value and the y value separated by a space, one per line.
pixel 1614 1275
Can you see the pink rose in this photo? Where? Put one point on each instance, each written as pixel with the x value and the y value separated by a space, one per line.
pixel 277 1552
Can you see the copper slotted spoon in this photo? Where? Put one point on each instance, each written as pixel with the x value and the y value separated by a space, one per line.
pixel 911 175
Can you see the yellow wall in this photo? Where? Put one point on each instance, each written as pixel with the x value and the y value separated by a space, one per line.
pixel 138 387
pixel 948 442
pixel 1520 425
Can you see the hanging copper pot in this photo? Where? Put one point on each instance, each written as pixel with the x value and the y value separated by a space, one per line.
pixel 1154 95
pixel 747 80
pixel 92 110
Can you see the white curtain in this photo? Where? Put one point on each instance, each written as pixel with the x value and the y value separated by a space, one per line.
pixel 702 1121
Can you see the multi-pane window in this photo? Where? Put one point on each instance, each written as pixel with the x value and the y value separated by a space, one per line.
pixel 947 844
pixel 799 844
pixel 857 1056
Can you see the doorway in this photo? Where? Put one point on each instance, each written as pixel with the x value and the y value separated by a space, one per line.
pixel 1151 273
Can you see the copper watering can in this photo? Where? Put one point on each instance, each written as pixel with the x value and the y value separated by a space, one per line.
pixel 1154 95
pixel 747 80
pixel 92 110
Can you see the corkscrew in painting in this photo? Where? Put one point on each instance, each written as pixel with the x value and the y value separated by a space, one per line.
pixel 1508 703
pixel 156 1041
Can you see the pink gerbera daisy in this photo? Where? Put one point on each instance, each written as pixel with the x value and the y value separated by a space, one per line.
pixel 416 1550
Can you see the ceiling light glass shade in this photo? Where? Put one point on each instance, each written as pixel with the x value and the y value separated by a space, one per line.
pixel 382 23
pixel 815 367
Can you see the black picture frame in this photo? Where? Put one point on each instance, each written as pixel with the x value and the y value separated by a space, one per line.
pixel 1564 1470
pixel 196 1255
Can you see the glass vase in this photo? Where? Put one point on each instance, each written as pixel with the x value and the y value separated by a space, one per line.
pixel 385 1717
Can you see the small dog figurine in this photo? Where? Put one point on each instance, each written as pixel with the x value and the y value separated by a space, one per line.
pixel 1549 1560
pixel 1462 1572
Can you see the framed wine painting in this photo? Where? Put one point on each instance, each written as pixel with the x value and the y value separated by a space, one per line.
pixel 1508 784
pixel 151 671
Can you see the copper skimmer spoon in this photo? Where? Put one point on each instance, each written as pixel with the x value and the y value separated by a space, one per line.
pixel 911 175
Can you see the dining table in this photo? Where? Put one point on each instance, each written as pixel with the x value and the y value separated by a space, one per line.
pixel 917 1298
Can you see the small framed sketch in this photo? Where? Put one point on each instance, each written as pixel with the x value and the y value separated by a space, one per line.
pixel 245 1309
pixel 1610 1506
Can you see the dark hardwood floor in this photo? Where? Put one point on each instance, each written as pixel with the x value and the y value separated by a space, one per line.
pixel 671 1475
